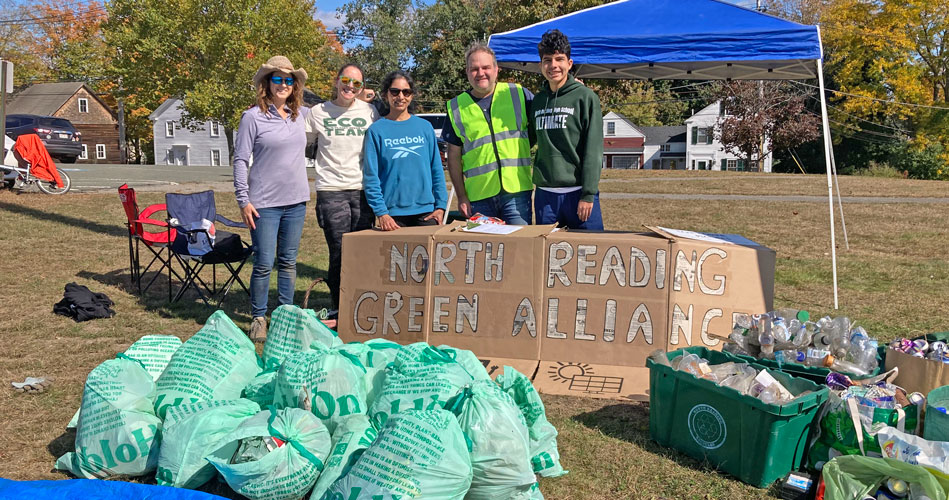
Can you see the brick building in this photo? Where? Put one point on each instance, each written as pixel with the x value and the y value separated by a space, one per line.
pixel 76 102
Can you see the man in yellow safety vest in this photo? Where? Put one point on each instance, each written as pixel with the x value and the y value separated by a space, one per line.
pixel 489 158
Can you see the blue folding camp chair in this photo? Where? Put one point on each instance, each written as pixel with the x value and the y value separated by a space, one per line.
pixel 186 212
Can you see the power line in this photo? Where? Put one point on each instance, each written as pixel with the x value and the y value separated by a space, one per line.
pixel 886 101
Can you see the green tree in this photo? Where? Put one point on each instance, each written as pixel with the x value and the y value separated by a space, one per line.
pixel 208 51
pixel 383 35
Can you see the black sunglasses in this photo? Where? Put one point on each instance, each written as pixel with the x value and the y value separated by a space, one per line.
pixel 394 92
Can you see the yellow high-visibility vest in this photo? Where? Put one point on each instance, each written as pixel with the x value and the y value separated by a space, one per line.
pixel 494 156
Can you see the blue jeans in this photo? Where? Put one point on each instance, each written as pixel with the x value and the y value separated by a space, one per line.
pixel 277 236
pixel 512 208
pixel 561 208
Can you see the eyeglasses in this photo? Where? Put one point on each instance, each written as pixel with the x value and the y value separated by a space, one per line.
pixel 394 92
pixel 356 84
pixel 278 80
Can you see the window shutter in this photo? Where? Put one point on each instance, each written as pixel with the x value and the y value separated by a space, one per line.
pixel 741 165
pixel 709 135
pixel 724 164
pixel 695 135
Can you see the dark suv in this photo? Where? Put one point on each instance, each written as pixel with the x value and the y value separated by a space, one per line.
pixel 60 137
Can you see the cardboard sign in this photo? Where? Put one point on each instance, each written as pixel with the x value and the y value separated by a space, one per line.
pixel 583 308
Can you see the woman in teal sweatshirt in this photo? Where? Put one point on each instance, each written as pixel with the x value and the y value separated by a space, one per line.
pixel 402 170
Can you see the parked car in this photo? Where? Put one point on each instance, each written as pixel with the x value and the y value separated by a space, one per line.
pixel 60 137
pixel 438 121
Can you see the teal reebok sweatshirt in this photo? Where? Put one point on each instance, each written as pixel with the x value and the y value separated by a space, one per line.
pixel 567 126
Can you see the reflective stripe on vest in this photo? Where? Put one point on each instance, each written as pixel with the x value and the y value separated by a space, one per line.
pixel 491 163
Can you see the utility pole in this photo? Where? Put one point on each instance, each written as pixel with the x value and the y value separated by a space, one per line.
pixel 123 149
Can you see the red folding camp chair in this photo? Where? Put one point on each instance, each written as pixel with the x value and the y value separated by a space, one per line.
pixel 155 242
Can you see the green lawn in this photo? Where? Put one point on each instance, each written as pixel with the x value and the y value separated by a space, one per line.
pixel 893 280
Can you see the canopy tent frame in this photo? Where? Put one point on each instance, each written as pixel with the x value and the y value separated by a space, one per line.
pixel 653 56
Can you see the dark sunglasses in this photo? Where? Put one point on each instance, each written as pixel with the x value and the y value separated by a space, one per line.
pixel 345 80
pixel 394 92
pixel 278 80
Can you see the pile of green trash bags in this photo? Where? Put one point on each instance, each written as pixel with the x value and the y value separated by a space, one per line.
pixel 313 417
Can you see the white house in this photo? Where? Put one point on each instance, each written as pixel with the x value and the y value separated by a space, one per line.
pixel 703 149
pixel 622 142
pixel 178 145
pixel 665 148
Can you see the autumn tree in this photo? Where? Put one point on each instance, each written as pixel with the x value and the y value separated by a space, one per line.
pixel 206 52
pixel 884 53
pixel 762 117
pixel 18 44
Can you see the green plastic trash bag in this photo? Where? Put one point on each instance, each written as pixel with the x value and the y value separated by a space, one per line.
pixel 331 384
pixel 854 477
pixel 421 377
pixel 353 435
pixel 193 432
pixel 417 455
pixel 500 445
pixel 261 388
pixel 936 427
pixel 839 423
pixel 214 364
pixel 153 351
pixel 468 360
pixel 545 456
pixel 292 330
pixel 300 444
pixel 118 429
pixel 375 355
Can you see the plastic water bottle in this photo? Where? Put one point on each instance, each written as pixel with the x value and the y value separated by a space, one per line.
pixel 790 356
pixel 779 330
pixel 815 356
pixel 840 365
pixel 766 339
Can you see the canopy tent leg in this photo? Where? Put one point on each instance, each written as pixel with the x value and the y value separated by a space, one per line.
pixel 840 202
pixel 830 182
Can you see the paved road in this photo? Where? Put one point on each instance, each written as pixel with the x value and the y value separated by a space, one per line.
pixel 165 178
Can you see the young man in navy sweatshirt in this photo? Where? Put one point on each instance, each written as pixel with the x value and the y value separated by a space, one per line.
pixel 567 124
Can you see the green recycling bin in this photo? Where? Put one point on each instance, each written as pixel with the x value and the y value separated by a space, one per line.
pixel 756 442
pixel 936 426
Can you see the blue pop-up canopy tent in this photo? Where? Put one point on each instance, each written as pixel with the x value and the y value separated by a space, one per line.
pixel 685 40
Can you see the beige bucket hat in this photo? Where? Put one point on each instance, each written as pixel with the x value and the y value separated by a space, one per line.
pixel 279 63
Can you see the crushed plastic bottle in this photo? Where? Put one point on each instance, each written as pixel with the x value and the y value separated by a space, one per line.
pixel 765 337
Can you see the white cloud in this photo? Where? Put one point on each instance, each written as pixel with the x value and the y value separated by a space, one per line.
pixel 328 17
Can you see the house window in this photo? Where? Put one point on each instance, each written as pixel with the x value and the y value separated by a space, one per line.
pixel 215 157
pixel 665 148
pixel 656 164
pixel 625 162
pixel 83 105
pixel 732 164
pixel 84 155
pixel 703 135
pixel 169 129
pixel 169 157
pixel 100 151
pixel 215 130
pixel 610 128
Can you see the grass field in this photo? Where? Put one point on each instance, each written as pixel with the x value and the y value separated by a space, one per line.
pixel 894 280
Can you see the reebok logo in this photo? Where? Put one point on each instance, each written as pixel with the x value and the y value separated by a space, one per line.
pixel 405 151
pixel 402 146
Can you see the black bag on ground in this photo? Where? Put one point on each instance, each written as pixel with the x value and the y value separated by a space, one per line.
pixel 82 304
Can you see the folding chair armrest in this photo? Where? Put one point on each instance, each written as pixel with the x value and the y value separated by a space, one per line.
pixel 152 222
pixel 151 209
pixel 228 222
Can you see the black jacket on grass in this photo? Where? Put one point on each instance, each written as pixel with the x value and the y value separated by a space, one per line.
pixel 81 304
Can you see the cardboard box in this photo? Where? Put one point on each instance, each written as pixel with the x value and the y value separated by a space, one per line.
pixel 578 311
pixel 384 286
